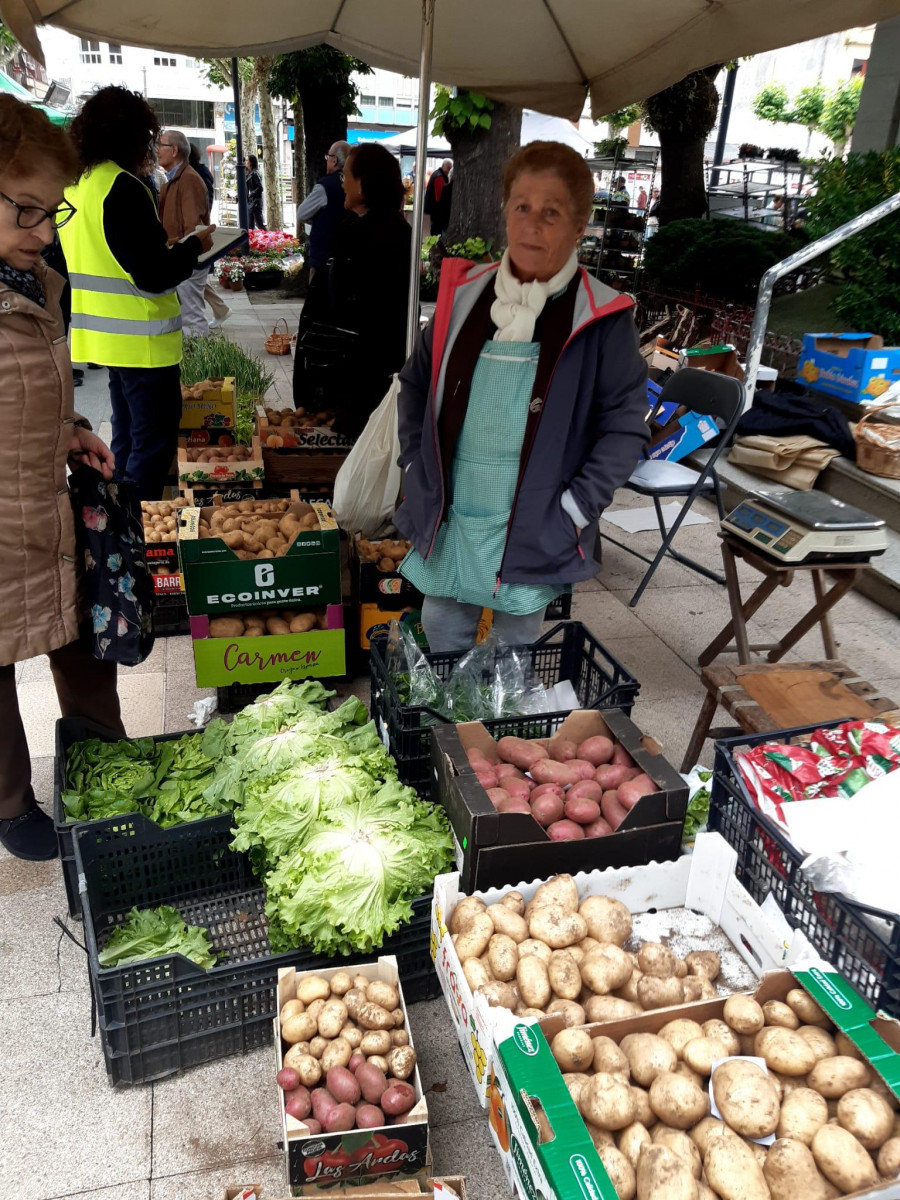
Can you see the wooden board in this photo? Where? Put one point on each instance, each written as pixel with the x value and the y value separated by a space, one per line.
pixel 802 697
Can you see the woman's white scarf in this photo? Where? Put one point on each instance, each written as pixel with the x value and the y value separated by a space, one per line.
pixel 518 305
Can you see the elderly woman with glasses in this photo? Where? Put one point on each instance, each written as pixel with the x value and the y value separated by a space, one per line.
pixel 41 433
pixel 521 410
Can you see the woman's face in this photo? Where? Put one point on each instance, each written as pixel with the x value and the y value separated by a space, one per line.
pixel 541 229
pixel 353 193
pixel 21 248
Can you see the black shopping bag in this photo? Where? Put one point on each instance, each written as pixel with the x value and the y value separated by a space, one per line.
pixel 115 586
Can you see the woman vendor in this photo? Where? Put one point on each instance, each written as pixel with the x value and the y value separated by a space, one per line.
pixel 522 408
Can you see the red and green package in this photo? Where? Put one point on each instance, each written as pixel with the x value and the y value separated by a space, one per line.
pixel 835 763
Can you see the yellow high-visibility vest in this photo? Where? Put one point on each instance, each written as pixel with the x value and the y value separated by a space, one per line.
pixel 114 323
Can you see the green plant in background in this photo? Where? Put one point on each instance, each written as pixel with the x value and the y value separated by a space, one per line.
pixel 215 357
pixel 725 259
pixel 460 109
pixel 474 248
pixel 831 113
pixel 609 147
pixel 868 265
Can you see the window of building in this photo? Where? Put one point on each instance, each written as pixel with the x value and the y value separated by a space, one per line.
pixel 90 51
pixel 115 54
pixel 189 62
pixel 187 114
pixel 161 60
pixel 401 103
pixel 385 101
pixel 366 101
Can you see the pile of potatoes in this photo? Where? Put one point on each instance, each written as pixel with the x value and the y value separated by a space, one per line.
pixel 387 554
pixel 258 624
pixel 196 391
pixel 285 419
pixel 214 455
pixel 160 519
pixel 349 1056
pixel 559 954
pixel 645 1101
pixel 258 528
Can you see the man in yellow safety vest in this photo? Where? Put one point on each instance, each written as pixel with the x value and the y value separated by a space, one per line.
pixel 125 310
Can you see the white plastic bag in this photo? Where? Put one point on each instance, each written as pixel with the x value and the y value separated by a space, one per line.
pixel 368 484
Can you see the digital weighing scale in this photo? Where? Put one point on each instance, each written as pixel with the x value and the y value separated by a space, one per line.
pixel 800 527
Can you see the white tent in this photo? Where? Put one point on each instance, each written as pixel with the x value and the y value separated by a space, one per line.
pixel 536 127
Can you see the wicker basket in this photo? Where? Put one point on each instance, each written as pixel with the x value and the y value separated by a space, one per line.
pixel 872 454
pixel 277 342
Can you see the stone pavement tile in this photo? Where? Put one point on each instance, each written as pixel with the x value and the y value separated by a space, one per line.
pixel 38 958
pixel 34 670
pixel 210 1185
pixel 181 694
pixel 179 653
pixel 156 661
pixel 141 697
pixel 621 570
pixel 890 688
pixel 103 1136
pixel 137 1189
pixel 671 722
pixel 871 652
pixel 468 1149
pixel 607 615
pixel 211 1116
pixel 660 672
pixel 441 1062
pixel 142 703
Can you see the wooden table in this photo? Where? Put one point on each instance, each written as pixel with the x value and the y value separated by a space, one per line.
pixel 764 698
pixel 777 574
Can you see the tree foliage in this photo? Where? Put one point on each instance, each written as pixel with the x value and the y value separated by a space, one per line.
pixel 831 113
pixel 623 117
pixel 773 104
pixel 8 44
pixel 453 113
pixel 725 259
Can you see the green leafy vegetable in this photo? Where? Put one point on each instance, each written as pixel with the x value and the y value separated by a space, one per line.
pixel 153 932
pixel 698 804
pixel 270 714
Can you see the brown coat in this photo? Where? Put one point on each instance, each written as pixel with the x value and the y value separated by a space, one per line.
pixel 38 610
pixel 183 203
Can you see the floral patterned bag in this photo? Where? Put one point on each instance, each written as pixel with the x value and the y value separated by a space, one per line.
pixel 115 587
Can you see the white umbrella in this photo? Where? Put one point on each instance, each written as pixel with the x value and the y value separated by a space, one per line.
pixel 536 127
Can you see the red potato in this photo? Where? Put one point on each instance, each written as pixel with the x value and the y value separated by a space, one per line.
pixel 343 1085
pixel 340 1119
pixel 547 789
pixel 508 771
pixel 478 759
pixel 369 1116
pixel 322 1103
pixel 612 810
pixel 520 788
pixel 611 775
pixel 583 767
pixel 582 812
pixel 297 1103
pixel 288 1079
pixel 356 1060
pixel 487 778
pixel 520 753
pixel 561 749
pixel 514 804
pixel 313 1125
pixel 587 789
pixel 497 796
pixel 621 757
pixel 547 771
pixel 565 831
pixel 399 1097
pixel 372 1082
pixel 596 750
pixel 598 828
pixel 547 808
pixel 630 792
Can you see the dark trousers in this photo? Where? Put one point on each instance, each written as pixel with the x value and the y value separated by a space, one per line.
pixel 146 412
pixel 85 687
pixel 255 216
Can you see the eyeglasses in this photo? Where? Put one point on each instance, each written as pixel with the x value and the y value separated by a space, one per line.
pixel 30 215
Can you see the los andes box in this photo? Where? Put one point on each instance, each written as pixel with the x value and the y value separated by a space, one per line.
pixel 443 1187
pixel 362 1156
pixel 246 470
pixel 217 582
pixel 220 661
pixel 536 1127
pixel 703 882
pixel 496 848
pixel 214 409
pixel 852 366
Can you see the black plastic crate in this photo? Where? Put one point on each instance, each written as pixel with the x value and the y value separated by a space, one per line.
pixel 560 609
pixel 161 1016
pixel 860 942
pixel 236 696
pixel 170 615
pixel 566 652
pixel 70 730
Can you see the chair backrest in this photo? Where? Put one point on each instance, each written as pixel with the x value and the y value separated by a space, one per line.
pixel 708 394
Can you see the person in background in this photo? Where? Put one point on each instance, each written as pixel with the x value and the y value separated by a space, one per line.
pixel 653 210
pixel 438 199
pixel 642 199
pixel 619 193
pixel 197 164
pixel 125 310
pixel 369 281
pixel 183 206
pixel 221 311
pixel 522 408
pixel 42 434
pixel 254 193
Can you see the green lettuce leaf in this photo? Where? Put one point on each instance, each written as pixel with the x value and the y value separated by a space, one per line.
pixel 153 932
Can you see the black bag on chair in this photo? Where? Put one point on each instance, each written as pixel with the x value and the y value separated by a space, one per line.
pixel 115 587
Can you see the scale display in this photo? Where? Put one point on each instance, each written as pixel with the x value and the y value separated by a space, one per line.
pixel 806 526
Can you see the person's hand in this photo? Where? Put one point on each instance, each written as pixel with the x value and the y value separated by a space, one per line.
pixel 88 450
pixel 204 236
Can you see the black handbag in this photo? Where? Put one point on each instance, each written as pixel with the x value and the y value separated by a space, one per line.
pixel 115 587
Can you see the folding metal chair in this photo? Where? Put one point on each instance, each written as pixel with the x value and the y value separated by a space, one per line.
pixel 707 394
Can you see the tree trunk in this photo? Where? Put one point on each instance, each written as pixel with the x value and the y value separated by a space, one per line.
pixel 322 125
pixel 478 160
pixel 681 168
pixel 248 124
pixel 300 189
pixel 271 164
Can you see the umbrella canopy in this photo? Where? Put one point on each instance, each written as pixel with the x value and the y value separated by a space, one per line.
pixel 536 127
pixel 541 54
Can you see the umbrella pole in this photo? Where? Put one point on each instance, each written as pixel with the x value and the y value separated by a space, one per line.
pixel 427 44
pixel 243 215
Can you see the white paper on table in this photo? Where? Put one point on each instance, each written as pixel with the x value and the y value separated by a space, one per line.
pixel 639 520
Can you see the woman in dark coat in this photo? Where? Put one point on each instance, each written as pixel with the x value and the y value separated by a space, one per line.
pixel 254 193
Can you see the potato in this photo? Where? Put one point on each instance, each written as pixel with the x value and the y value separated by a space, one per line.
pixel 376 1041
pixel 705 1130
pixel 724 1033
pixel 832 1077
pixel 464 911
pixel 315 1008
pixel 654 992
pixel 573 1014
pixel 503 957
pixel 889 1159
pixel 605 969
pixel 703 962
pixel 373 1016
pixel 398 1098
pixel 305 1065
pixel 803 1113
pixel 657 960
pixel 747 1098
pixel 313 987
pixel 642 1110
pixel 606 919
pixel 631 1141
pixel 698 987
pixel 332 1018
pixel 317 1046
pixel 607 1101
pixel 231 627
pixel 701 1053
pixel 785 1051
pixel 679 1143
pixel 533 979
pixel 600 1137
pixel 777 1013
pixel 351 1035
pixel 575 1081
pixel 507 921
pixel 806 1008
pixel 514 901
pixel 402 1062
pixel 372 1082
pixel 533 946
pixel 565 978
pixel 842 1160
pixel 628 990
pixel 662 1175
pixel 385 994
pixel 677 1101
pixel 476 973
pixel 610 1008
pixel 679 1032
pixel 733 1171
pixel 293 1008
pixel 502 995
pixel 299 1028
pixel 791 1172
pixel 573 1050
pixel 867 1116
pixel 556 927
pixel 648 1056
pixel 521 753
pixel 620 1171
pixel 819 1041
pixel 610 1058
pixel 682 1069
pixel 473 941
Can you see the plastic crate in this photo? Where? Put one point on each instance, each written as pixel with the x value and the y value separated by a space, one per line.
pixel 566 652
pixel 861 942
pixel 70 730
pixel 170 615
pixel 159 1017
pixel 560 609
pixel 236 696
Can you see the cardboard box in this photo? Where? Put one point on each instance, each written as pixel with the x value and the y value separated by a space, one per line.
pixel 214 410
pixel 375 622
pixel 681 436
pixel 236 472
pixel 301 437
pixel 527 1081
pixel 445 1187
pixel 496 848
pixel 703 881
pixel 218 583
pixel 320 654
pixel 162 562
pixel 355 1157
pixel 854 366
pixel 723 360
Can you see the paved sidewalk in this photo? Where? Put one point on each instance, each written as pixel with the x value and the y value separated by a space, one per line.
pixel 68 1134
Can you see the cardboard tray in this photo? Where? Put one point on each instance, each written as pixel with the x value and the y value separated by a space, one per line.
pixel 306 1154
pixel 214 410
pixel 444 1187
pixel 309 437
pixel 703 881
pixel 239 472
pixel 501 848
pixel 319 654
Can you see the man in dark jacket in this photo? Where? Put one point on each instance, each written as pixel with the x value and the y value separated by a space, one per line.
pixel 438 198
